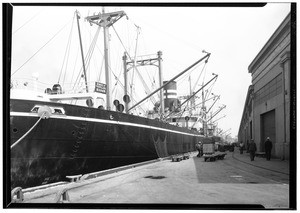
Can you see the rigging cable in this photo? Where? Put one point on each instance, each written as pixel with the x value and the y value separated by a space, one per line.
pixel 26 22
pixel 101 70
pixel 75 64
pixel 184 110
pixel 92 47
pixel 67 48
pixel 210 87
pixel 102 61
pixel 91 50
pixel 87 57
pixel 116 78
pixel 183 78
pixel 77 81
pixel 121 41
pixel 134 59
pixel 204 76
pixel 140 76
pixel 153 83
pixel 40 49
pixel 196 83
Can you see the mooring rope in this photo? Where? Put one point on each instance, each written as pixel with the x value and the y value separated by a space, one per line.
pixel 28 131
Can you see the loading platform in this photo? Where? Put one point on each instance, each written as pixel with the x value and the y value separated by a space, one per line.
pixel 191 181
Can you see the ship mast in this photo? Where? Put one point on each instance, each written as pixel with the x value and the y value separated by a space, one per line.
pixel 106 20
pixel 82 55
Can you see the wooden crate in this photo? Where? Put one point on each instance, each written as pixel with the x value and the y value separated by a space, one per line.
pixel 208 148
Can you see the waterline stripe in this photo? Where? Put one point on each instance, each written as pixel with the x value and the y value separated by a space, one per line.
pixel 24 114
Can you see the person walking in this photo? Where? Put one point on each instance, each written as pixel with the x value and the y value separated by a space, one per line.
pixel 268 148
pixel 252 149
pixel 200 149
pixel 241 147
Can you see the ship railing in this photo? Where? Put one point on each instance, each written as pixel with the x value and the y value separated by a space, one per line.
pixel 67 88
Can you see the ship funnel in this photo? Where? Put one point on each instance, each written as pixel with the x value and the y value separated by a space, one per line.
pixel 170 95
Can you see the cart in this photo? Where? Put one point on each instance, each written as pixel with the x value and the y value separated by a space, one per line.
pixel 210 154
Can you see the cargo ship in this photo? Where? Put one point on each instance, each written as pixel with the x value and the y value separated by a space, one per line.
pixel 53 135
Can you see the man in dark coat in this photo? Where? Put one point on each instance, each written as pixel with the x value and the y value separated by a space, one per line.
pixel 199 147
pixel 252 149
pixel 268 148
pixel 241 147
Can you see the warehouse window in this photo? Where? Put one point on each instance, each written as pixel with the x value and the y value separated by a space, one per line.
pixel 270 90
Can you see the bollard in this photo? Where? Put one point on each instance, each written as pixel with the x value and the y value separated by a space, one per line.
pixel 17 195
pixel 62 196
pixel 74 178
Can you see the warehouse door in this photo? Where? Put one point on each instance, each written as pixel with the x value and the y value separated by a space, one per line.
pixel 268 129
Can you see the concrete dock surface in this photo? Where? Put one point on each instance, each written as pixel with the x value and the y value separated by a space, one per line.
pixel 234 180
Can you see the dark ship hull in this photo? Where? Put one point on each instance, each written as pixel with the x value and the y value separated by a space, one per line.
pixel 83 140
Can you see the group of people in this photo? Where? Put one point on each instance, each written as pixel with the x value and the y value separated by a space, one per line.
pixel 252 148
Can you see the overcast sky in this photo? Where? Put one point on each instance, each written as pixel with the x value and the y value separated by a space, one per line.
pixel 233 36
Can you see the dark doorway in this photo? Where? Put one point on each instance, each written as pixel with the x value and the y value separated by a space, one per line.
pixel 268 129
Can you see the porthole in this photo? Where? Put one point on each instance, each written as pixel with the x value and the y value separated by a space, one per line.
pixel 15 130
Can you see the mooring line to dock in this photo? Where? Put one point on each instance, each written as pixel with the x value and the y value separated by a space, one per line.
pixel 41 117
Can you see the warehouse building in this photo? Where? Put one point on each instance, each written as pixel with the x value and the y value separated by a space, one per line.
pixel 267 107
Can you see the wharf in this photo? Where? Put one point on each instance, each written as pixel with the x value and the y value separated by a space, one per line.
pixel 190 181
